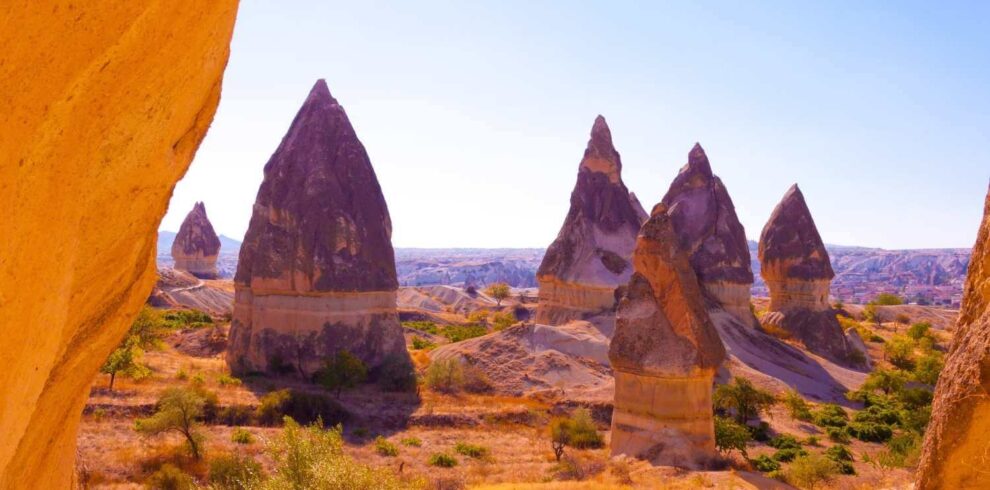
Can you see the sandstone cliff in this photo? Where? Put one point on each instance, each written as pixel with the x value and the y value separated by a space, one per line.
pixel 316 272
pixel 590 255
pixel 196 246
pixel 709 230
pixel 954 454
pixel 796 268
pixel 664 354
pixel 102 106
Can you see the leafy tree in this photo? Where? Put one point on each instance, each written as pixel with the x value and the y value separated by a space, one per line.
pixel 928 367
pixel 577 431
pixel 919 330
pixel 796 405
pixel 730 435
pixel 870 314
pixel 885 380
pixel 746 400
pixel 121 360
pixel 888 299
pixel 179 410
pixel 899 350
pixel 342 371
pixel 144 334
pixel 499 291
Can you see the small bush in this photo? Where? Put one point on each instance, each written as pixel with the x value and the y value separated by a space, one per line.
pixel 878 415
pixel 788 454
pixel 796 406
pixel 412 442
pixel 304 407
pixel 584 434
pixel 182 375
pixel 784 441
pixel 743 398
pixel 899 351
pixel 760 433
pixel 839 452
pixel 428 327
pixel 385 448
pixel 870 431
pixel 765 464
pixel 241 435
pixel 810 471
pixel 419 343
pixel 168 477
pixel 888 299
pixel 838 434
pixel 475 379
pixel 811 441
pixel 396 374
pixel 232 472
pixel 503 320
pixel 730 436
pixel 458 333
pixel 228 380
pixel 271 407
pixel 197 379
pixel 471 450
pixel 442 460
pixel 830 415
pixel 445 376
pixel 341 372
pixel 928 368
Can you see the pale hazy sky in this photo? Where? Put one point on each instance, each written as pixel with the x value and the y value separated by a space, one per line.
pixel 476 114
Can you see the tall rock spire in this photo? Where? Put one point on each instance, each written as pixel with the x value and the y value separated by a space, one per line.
pixel 590 255
pixel 196 245
pixel 664 354
pixel 796 268
pixel 955 448
pixel 707 227
pixel 316 272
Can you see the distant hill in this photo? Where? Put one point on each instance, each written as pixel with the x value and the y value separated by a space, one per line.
pixel 934 276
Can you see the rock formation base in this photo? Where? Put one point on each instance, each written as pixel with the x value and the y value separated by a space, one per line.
pixel 561 302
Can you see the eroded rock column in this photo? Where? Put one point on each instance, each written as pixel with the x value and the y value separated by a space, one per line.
pixel 955 453
pixel 102 107
pixel 196 246
pixel 664 354
pixel 316 272
pixel 590 256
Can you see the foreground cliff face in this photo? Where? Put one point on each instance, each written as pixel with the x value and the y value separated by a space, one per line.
pixel 590 256
pixel 316 272
pixel 196 245
pixel 102 107
pixel 705 221
pixel 796 268
pixel 954 454
pixel 664 354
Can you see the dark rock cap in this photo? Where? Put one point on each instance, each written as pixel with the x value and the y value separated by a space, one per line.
pixel 791 235
pixel 599 200
pixel 196 234
pixel 320 219
pixel 662 326
pixel 706 223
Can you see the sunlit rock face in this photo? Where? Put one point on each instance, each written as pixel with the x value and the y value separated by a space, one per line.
pixel 796 268
pixel 954 454
pixel 196 245
pixel 102 107
pixel 316 272
pixel 708 229
pixel 590 256
pixel 664 354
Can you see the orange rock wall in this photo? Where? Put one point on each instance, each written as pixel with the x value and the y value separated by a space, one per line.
pixel 102 107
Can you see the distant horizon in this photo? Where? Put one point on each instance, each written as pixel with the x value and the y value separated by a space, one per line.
pixel 878 111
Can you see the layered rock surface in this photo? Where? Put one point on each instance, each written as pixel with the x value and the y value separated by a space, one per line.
pixel 590 256
pixel 316 272
pixel 664 354
pixel 706 224
pixel 102 107
pixel 196 245
pixel 954 454
pixel 796 268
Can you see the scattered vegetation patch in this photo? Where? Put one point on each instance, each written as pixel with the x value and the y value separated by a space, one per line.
pixel 178 410
pixel 412 442
pixel 241 435
pixel 385 448
pixel 730 436
pixel 577 431
pixel 442 460
pixel 471 450
pixel 232 472
pixel 343 371
pixel 744 400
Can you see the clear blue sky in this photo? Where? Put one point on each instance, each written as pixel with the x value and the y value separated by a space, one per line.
pixel 476 116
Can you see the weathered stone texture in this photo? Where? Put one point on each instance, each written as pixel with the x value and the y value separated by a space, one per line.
pixel 196 245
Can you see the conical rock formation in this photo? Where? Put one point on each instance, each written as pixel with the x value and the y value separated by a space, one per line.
pixel 590 256
pixel 796 268
pixel 664 354
pixel 316 272
pixel 709 230
pixel 196 245
pixel 954 454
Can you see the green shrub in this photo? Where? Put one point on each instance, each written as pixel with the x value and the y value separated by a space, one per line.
pixel 784 441
pixel 919 330
pixel 471 450
pixel 422 326
pixel 765 464
pixel 811 441
pixel 788 454
pixel 442 460
pixel 475 379
pixel 577 431
pixel 888 299
pixel 810 471
pixel 830 415
pixel 412 442
pixel 341 372
pixel 271 407
pixel 385 448
pixel 182 375
pixel 396 374
pixel 899 351
pixel 458 333
pixel 241 435
pixel 838 434
pixel 228 380
pixel 870 431
pixel 761 432
pixel 839 452
pixel 419 343
pixel 730 436
pixel 168 477
pixel 230 472
pixel 796 406
pixel 503 320
pixel 445 376
pixel 928 368
pixel 878 415
pixel 743 398
pixel 301 406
